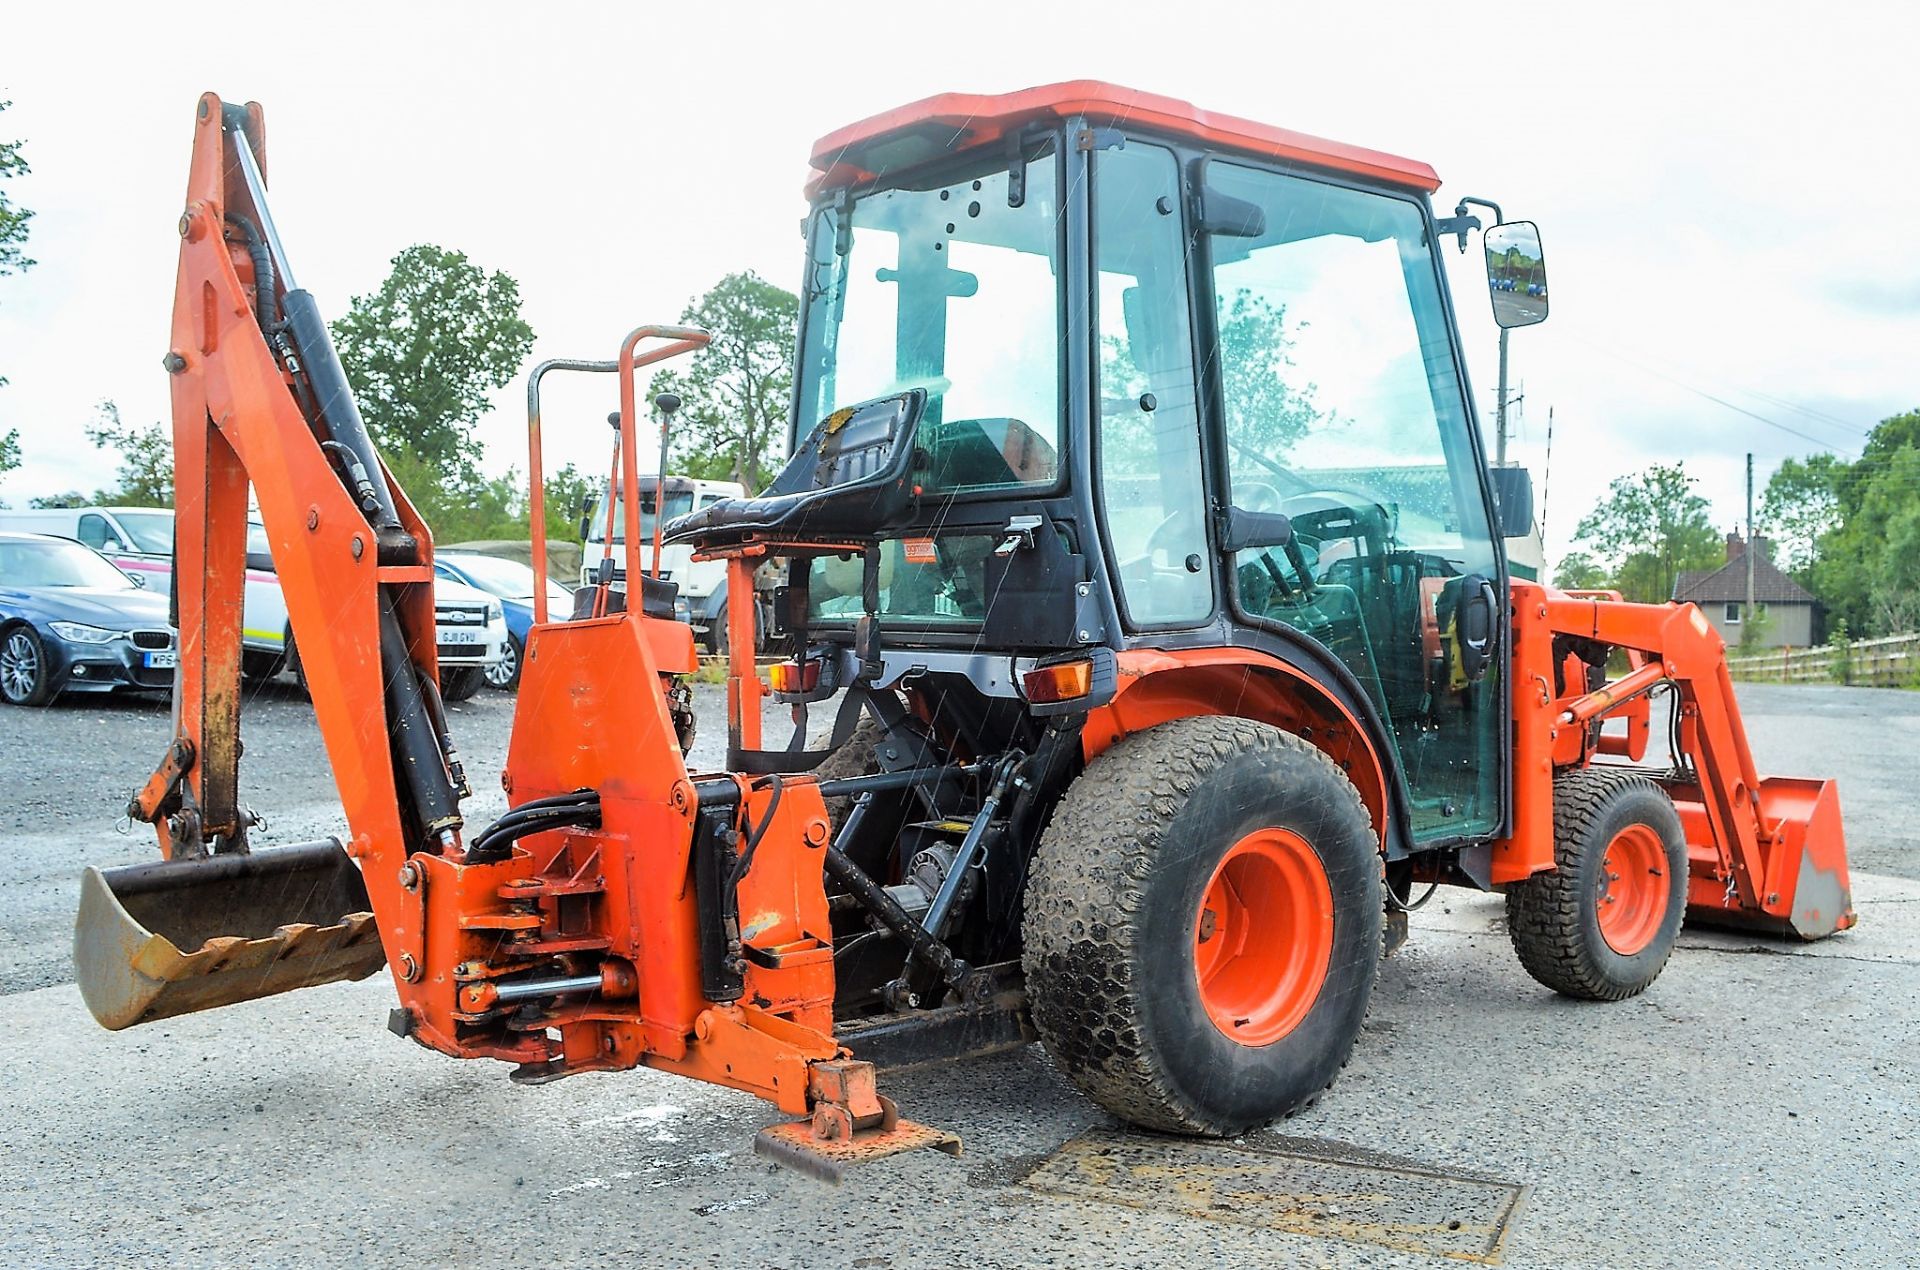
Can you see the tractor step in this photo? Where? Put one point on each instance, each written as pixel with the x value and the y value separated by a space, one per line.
pixel 157 940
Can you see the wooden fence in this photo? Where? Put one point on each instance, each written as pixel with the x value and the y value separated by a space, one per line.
pixel 1891 662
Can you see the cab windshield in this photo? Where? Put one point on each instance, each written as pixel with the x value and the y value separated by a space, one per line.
pixel 951 285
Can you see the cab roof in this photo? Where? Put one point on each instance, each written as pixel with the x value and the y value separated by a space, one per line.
pixel 913 134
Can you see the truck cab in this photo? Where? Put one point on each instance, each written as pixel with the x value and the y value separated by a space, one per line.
pixel 702 585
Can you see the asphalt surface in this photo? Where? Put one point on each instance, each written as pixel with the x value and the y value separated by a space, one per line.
pixel 1760 1104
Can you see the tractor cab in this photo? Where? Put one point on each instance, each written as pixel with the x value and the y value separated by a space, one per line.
pixel 1085 372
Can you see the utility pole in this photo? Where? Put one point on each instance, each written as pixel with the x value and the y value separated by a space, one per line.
pixel 1753 543
pixel 1500 411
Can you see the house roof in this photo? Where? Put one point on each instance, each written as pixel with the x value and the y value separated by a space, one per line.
pixel 1728 584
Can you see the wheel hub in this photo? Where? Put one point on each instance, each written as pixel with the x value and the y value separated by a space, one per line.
pixel 1631 899
pixel 1263 936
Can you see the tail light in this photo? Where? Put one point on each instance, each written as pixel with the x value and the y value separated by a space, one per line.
pixel 794 676
pixel 1062 682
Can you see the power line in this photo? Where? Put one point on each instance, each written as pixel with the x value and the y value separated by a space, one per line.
pixel 1822 442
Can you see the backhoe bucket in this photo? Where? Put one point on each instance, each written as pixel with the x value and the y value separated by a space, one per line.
pixel 156 940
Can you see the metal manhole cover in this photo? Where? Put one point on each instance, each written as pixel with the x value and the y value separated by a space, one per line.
pixel 1407 1209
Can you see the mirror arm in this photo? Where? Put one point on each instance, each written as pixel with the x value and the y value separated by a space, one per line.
pixel 1460 222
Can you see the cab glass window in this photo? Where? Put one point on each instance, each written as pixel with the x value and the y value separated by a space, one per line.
pixel 1343 410
pixel 945 285
pixel 1148 430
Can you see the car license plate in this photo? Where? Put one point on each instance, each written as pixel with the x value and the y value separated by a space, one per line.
pixel 165 659
pixel 461 637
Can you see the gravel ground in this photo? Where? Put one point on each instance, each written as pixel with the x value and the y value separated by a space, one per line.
pixel 72 766
pixel 1746 1110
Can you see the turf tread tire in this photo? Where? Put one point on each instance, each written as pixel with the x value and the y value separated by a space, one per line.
pixel 1094 884
pixel 1550 916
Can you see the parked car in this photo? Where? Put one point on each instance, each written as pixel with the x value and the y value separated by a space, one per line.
pixel 512 584
pixel 471 634
pixel 70 621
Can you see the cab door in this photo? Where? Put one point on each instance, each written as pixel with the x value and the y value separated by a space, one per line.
pixel 1341 410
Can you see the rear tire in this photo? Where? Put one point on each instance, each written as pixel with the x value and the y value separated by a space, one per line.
pixel 1203 926
pixel 458 683
pixel 26 676
pixel 1601 925
pixel 258 667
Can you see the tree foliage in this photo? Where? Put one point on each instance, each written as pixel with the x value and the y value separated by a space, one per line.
pixel 146 459
pixel 1265 409
pixel 1799 505
pixel 1579 571
pixel 1648 528
pixel 13 230
pixel 9 450
pixel 424 351
pixel 1866 566
pixel 737 391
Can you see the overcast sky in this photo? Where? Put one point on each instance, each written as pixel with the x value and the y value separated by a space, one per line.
pixel 1726 193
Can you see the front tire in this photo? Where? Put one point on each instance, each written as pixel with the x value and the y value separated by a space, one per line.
pixel 458 683
pixel 1203 926
pixel 26 675
pixel 1602 923
pixel 505 674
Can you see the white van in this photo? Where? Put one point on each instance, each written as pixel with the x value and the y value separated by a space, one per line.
pixel 471 632
pixel 703 586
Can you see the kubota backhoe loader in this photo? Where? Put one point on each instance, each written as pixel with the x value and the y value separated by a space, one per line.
pixel 1138 519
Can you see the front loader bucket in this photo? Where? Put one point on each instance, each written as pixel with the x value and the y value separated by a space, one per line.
pixel 156 940
pixel 1805 892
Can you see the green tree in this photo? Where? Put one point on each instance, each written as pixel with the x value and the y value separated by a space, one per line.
pixel 1579 571
pixel 13 225
pixel 423 352
pixel 72 498
pixel 736 391
pixel 146 459
pixel 1648 528
pixel 566 495
pixel 1800 504
pixel 1265 410
pixel 9 450
pixel 1864 562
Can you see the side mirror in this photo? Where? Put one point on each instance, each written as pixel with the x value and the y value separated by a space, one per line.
pixel 138 580
pixel 1516 273
pixel 1513 500
pixel 584 510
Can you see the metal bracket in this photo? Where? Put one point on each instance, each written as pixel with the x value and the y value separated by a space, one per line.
pixel 852 1123
pixel 1019 535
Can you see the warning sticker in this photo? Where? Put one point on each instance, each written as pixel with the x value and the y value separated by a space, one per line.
pixel 920 551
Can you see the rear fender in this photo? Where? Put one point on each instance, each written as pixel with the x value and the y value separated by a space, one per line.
pixel 1156 686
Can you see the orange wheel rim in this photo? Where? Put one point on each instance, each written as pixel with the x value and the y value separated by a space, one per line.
pixel 1263 936
pixel 1634 888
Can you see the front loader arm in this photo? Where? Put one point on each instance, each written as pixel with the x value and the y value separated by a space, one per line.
pixel 1764 851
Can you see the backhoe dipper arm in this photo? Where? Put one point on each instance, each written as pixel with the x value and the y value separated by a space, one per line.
pixel 259 397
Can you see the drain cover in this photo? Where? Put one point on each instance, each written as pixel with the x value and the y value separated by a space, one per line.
pixel 1408 1209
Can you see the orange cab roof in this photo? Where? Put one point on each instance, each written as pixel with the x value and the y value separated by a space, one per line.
pixel 955 121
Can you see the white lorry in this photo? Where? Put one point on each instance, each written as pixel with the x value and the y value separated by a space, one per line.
pixel 703 584
pixel 471 631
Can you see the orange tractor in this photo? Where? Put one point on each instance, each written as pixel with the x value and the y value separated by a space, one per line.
pixel 1137 520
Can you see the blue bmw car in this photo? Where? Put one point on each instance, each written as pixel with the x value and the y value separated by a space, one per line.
pixel 71 621
pixel 512 584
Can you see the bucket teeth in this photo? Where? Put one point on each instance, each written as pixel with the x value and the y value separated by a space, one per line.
pixel 158 940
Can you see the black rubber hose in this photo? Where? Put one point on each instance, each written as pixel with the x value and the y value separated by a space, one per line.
pixel 266 304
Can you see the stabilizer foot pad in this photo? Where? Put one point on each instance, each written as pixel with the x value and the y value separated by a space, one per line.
pixel 794 1145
